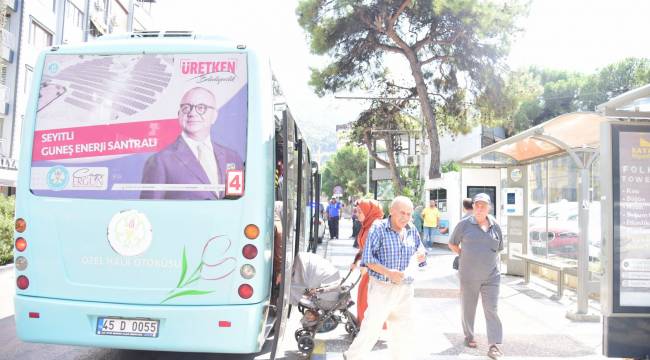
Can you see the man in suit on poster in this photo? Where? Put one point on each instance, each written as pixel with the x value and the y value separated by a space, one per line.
pixel 194 158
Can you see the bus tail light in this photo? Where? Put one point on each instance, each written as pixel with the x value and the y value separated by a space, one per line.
pixel 23 282
pixel 34 315
pixel 21 244
pixel 247 271
pixel 20 263
pixel 251 231
pixel 245 291
pixel 21 225
pixel 249 251
pixel 223 323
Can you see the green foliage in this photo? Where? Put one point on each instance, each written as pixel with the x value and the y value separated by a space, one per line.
pixel 413 184
pixel 450 166
pixel 537 95
pixel 612 81
pixel 7 205
pixel 346 168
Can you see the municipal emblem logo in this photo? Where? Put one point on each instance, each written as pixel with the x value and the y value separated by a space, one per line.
pixel 129 233
pixel 57 178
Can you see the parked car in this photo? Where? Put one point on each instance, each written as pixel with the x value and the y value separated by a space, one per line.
pixel 563 233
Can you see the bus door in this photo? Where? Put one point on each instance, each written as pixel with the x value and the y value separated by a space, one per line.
pixel 289 214
pixel 316 213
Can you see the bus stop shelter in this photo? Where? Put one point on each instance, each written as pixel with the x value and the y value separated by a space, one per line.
pixel 561 154
pixel 547 225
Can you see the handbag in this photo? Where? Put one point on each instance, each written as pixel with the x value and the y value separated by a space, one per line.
pixel 456 262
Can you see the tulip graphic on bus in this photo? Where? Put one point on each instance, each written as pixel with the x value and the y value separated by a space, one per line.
pixel 214 266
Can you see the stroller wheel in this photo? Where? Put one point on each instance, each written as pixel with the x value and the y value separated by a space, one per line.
pixel 352 329
pixel 352 325
pixel 302 332
pixel 301 309
pixel 306 344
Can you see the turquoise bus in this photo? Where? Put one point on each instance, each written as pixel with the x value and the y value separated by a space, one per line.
pixel 151 167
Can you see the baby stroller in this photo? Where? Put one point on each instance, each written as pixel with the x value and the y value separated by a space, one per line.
pixel 323 307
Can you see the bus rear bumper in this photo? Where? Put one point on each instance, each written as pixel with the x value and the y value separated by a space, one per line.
pixel 216 329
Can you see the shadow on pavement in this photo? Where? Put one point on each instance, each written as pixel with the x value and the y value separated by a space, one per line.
pixel 542 345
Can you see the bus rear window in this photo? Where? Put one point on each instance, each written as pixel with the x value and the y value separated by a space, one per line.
pixel 141 127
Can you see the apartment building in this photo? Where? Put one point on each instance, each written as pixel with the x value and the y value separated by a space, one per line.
pixel 29 26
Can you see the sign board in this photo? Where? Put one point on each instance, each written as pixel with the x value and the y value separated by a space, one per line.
pixel 631 218
pixel 380 174
pixel 625 291
pixel 8 163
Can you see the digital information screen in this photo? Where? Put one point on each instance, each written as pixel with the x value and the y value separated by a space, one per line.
pixel 631 196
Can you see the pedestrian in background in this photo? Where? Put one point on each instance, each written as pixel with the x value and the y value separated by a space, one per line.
pixel 368 211
pixel 477 239
pixel 417 218
pixel 389 248
pixel 333 214
pixel 430 221
pixel 468 209
pixel 356 226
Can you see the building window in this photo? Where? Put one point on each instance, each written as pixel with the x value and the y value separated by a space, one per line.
pixel 440 196
pixel 3 75
pixel 29 72
pixel 73 15
pixel 7 23
pixel 38 35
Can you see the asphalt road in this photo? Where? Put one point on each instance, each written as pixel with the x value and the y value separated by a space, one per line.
pixel 12 348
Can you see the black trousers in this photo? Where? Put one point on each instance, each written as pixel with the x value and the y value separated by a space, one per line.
pixel 333 224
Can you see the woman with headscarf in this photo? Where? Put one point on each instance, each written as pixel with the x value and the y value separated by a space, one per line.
pixel 368 212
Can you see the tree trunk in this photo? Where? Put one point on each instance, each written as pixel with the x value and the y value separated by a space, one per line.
pixel 428 113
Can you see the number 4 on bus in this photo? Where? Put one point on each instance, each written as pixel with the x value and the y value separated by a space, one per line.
pixel 235 182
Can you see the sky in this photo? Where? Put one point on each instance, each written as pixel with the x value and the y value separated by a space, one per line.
pixel 579 35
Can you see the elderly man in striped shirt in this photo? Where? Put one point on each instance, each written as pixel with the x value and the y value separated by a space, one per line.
pixel 392 244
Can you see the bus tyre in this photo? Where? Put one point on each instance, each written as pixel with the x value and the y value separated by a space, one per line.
pixel 306 344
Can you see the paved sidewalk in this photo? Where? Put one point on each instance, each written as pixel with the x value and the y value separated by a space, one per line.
pixel 535 326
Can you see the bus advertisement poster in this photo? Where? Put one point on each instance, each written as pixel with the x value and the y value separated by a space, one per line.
pixel 149 126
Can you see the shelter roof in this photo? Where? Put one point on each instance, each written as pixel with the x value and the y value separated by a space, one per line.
pixel 634 104
pixel 579 130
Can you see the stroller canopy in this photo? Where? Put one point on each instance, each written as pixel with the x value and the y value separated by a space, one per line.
pixel 311 271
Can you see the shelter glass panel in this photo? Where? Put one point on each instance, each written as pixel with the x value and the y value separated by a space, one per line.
pixel 562 210
pixel 537 209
